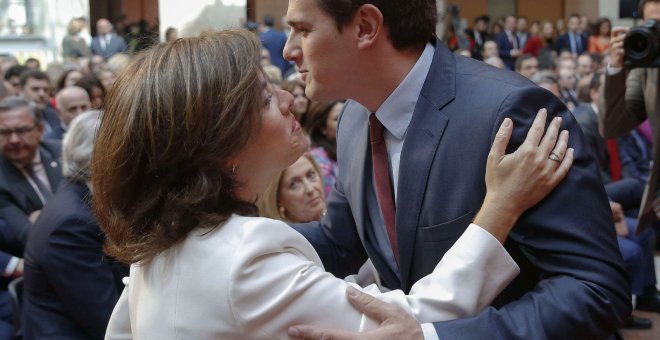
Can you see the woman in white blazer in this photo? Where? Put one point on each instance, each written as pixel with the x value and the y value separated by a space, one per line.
pixel 191 136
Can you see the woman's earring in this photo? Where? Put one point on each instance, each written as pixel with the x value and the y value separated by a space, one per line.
pixel 233 171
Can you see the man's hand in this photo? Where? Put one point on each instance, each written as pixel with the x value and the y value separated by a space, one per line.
pixel 395 323
pixel 620 224
pixel 616 46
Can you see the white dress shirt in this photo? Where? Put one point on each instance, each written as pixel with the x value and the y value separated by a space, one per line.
pixel 252 278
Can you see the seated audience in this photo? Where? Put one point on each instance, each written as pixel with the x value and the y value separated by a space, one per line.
pixel 29 170
pixel 94 89
pixel 70 289
pixel 69 78
pixel 107 78
pixel 321 126
pixel 296 194
pixel 71 102
pixel 35 87
pixel 300 102
pixel 527 65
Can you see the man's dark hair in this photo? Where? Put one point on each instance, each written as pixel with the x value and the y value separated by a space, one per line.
pixel 33 74
pixel 411 23
pixel 485 18
pixel 15 71
pixel 269 21
pixel 521 60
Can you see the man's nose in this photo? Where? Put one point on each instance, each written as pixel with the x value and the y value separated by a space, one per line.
pixel 291 48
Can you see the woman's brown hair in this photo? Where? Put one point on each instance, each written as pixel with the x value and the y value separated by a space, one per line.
pixel 316 121
pixel 172 120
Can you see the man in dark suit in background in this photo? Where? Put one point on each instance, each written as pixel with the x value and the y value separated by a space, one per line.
pixel 106 43
pixel 440 114
pixel 35 87
pixel 70 288
pixel 29 169
pixel 507 43
pixel 273 40
pixel 573 40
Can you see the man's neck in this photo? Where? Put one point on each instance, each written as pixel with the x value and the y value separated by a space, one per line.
pixel 383 74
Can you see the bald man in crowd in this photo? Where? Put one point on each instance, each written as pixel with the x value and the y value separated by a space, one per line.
pixel 71 101
pixel 106 43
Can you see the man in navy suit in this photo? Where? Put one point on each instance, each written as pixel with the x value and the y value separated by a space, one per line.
pixel 29 170
pixel 507 43
pixel 106 43
pixel 573 40
pixel 440 113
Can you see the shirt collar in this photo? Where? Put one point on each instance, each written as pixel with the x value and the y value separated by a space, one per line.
pixel 396 111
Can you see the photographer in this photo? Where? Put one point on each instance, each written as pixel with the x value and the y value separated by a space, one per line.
pixel 629 97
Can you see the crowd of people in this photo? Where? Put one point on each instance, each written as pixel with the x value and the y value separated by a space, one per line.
pixel 186 145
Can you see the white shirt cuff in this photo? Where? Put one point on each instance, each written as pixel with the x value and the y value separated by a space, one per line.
pixel 11 267
pixel 611 71
pixel 429 332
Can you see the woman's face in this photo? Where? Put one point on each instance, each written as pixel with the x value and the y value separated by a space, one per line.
pixel 274 145
pixel 605 28
pixel 300 101
pixel 96 97
pixel 72 78
pixel 107 78
pixel 301 193
pixel 330 130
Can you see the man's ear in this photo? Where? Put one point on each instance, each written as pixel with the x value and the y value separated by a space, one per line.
pixel 369 23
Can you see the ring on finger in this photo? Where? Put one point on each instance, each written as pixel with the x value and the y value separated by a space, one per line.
pixel 554 157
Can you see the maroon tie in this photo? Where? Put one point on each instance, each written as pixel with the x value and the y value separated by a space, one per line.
pixel 383 184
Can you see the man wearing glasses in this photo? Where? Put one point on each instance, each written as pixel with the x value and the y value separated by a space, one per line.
pixel 29 170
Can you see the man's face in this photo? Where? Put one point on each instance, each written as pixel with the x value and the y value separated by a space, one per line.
pixel 490 49
pixel 36 90
pixel 651 11
pixel 584 66
pixel 322 54
pixel 103 27
pixel 566 79
pixel 521 25
pixel 480 26
pixel 19 135
pixel 573 24
pixel 529 67
pixel 510 23
pixel 72 104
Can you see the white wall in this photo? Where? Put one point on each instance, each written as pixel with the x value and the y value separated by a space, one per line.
pixel 191 17
pixel 51 18
pixel 610 9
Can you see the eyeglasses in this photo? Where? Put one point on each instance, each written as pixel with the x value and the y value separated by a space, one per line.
pixel 19 131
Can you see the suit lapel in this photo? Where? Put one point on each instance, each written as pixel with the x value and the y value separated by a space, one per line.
pixel 20 184
pixel 419 150
pixel 52 167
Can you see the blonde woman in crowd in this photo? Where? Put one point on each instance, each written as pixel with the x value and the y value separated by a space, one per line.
pixel 296 194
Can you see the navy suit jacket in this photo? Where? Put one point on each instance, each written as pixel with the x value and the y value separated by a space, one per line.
pixel 564 43
pixel 505 46
pixel 572 284
pixel 274 41
pixel 18 199
pixel 117 45
pixel 70 289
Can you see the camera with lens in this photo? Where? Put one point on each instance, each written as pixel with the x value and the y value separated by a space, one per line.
pixel 642 45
